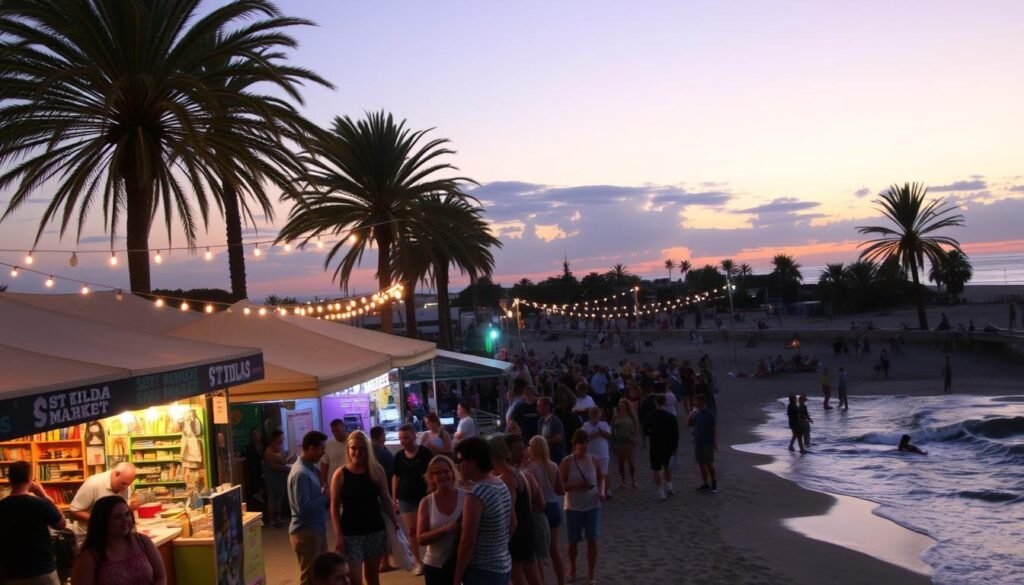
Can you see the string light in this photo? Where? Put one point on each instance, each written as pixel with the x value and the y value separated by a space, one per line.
pixel 246 311
pixel 29 259
pixel 85 289
pixel 287 247
pixel 159 302
pixel 319 242
pixel 256 251
pixel 184 306
pixel 14 272
pixel 113 259
pixel 49 282
pixel 263 311
pixel 158 258
pixel 209 308
pixel 119 296
pixel 73 261
pixel 353 239
pixel 209 254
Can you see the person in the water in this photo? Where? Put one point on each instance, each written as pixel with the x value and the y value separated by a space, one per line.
pixel 906 445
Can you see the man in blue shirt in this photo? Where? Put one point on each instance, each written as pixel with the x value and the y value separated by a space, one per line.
pixel 308 500
pixel 705 442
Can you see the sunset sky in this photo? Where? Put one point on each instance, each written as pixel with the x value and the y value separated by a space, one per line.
pixel 632 132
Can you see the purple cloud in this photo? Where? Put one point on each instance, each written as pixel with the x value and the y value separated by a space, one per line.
pixel 862 192
pixel 779 205
pixel 973 185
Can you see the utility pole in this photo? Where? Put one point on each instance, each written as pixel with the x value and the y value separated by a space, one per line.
pixel 732 317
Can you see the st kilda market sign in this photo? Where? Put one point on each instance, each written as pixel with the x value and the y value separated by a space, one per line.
pixel 36 413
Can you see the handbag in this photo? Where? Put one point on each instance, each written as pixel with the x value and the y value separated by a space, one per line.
pixel 401 549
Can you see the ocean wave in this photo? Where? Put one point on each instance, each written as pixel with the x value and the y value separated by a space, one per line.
pixel 994 496
pixel 996 428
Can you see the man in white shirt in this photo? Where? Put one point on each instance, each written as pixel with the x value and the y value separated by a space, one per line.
pixel 583 401
pixel 467 426
pixel 599 382
pixel 335 452
pixel 116 482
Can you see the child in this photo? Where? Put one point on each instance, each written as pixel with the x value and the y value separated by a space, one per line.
pixel 330 568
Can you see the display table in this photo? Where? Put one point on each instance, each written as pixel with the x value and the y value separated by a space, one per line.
pixel 196 558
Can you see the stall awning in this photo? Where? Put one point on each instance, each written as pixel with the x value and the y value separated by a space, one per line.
pixel 58 370
pixel 301 363
pixel 403 350
pixel 449 365
pixel 130 312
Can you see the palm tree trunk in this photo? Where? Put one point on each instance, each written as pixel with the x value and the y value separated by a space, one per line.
pixel 409 295
pixel 444 312
pixel 383 240
pixel 138 218
pixel 922 317
pixel 236 253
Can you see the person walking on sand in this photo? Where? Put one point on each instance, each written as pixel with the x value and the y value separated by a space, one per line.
pixel 947 375
pixel 705 443
pixel 793 414
pixel 624 442
pixel 826 388
pixel 581 476
pixel 662 428
pixel 844 401
pixel 805 422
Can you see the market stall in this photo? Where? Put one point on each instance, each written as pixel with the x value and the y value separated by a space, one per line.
pixel 78 396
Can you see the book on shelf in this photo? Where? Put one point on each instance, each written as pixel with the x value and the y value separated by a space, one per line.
pixel 62 496
pixel 60 472
pixel 71 433
pixel 15 454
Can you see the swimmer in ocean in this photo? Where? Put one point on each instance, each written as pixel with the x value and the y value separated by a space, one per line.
pixel 905 445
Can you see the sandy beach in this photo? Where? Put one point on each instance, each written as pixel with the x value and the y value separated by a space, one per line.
pixel 761 528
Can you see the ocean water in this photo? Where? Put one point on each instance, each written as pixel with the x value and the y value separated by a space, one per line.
pixel 967 493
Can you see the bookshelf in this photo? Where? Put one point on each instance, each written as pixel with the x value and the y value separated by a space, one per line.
pixel 157 460
pixel 59 460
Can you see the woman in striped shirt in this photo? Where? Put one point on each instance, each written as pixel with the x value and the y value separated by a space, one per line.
pixel 487 519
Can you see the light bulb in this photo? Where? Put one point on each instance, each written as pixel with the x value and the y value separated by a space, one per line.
pixel 73 261
pixel 209 308
pixel 353 239
pixel 246 311
pixel 209 254
pixel 184 305
pixel 49 282
pixel 159 302
pixel 158 258
pixel 29 259
pixel 113 259
pixel 14 272
pixel 319 243
pixel 287 247
pixel 319 309
pixel 85 289
pixel 256 251
pixel 263 311
pixel 119 295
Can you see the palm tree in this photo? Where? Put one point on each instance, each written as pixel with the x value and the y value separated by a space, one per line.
pixel 911 240
pixel 684 267
pixel 745 271
pixel 833 283
pixel 787 273
pixel 365 178
pixel 669 264
pixel 280 122
pixel 953 271
pixel 114 100
pixel 450 230
pixel 619 275
pixel 729 267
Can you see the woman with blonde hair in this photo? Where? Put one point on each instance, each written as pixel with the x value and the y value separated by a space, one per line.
pixel 440 516
pixel 545 472
pixel 624 432
pixel 359 503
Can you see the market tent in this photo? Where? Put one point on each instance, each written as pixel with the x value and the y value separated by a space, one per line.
pixel 300 363
pixel 449 365
pixel 129 311
pixel 403 350
pixel 58 369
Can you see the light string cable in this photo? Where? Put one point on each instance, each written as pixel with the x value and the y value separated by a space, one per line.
pixel 620 311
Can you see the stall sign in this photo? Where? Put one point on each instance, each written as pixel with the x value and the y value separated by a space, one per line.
pixel 26 415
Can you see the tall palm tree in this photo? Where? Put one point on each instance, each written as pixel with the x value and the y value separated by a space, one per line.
pixel 264 143
pixel 912 238
pixel 684 268
pixel 670 265
pixel 745 271
pixel 365 178
pixel 786 272
pixel 953 271
pixel 619 275
pixel 450 230
pixel 114 101
pixel 729 267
